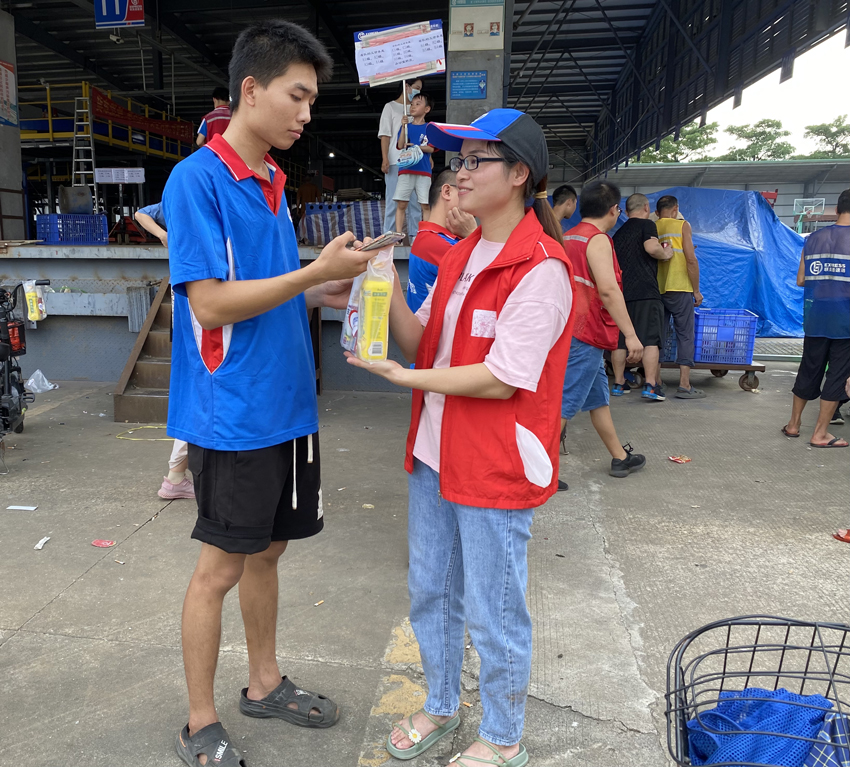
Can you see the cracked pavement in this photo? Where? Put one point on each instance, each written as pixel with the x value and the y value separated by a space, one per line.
pixel 619 571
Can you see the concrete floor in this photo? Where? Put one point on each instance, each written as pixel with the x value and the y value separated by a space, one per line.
pixel 90 665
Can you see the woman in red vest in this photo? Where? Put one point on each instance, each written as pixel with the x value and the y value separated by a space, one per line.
pixel 490 345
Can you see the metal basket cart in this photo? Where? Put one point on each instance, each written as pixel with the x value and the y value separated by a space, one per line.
pixel 757 651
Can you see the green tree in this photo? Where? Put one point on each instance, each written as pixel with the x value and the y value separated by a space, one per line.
pixel 833 138
pixel 691 146
pixel 762 142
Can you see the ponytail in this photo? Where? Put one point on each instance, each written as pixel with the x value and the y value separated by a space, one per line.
pixel 545 214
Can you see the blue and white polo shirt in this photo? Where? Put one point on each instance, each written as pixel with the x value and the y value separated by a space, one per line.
pixel 251 384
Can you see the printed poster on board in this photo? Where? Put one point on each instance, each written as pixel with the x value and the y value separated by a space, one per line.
pixel 8 94
pixel 476 25
pixel 390 54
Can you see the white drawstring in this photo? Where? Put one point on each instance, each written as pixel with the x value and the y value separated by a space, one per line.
pixel 294 483
pixel 309 448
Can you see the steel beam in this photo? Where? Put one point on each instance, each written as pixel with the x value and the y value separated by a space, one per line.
pixel 542 37
pixel 183 60
pixel 687 37
pixel 35 33
pixel 543 57
pixel 637 72
pixel 343 43
pixel 178 30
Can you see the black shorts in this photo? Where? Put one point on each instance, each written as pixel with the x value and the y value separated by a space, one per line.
pixel 817 354
pixel 647 316
pixel 245 497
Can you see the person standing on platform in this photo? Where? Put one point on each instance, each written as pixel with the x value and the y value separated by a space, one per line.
pixel 564 202
pixel 414 181
pixel 824 274
pixel 216 122
pixel 639 252
pixel 678 281
pixel 599 311
pixel 446 226
pixel 388 130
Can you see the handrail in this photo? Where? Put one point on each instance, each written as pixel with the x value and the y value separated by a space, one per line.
pixel 170 148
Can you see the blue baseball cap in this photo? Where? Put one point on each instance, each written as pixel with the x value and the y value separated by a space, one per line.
pixel 516 130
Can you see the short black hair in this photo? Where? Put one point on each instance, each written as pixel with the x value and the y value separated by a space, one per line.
pixel 266 50
pixel 562 194
pixel 221 94
pixel 429 102
pixel 843 202
pixel 597 198
pixel 666 202
pixel 447 176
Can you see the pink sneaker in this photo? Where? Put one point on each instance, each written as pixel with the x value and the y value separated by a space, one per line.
pixel 183 489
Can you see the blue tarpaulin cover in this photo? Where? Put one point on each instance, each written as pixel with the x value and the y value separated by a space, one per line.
pixel 748 258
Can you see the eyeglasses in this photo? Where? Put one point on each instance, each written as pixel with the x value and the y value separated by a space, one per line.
pixel 471 162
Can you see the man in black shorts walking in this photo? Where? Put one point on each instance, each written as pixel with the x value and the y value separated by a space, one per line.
pixel 824 273
pixel 243 385
pixel 639 251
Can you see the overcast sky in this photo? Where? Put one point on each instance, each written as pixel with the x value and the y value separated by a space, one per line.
pixel 817 93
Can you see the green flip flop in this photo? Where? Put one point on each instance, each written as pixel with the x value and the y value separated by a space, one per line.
pixel 420 744
pixel 497 760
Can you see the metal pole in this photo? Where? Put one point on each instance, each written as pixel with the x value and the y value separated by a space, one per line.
pixel 142 57
pixel 51 208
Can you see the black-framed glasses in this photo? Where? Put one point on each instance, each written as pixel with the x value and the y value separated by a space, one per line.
pixel 471 162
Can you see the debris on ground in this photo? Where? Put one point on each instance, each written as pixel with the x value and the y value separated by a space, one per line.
pixel 21 508
pixel 679 459
pixel 320 602
pixel 101 544
pixel 40 545
pixel 368 506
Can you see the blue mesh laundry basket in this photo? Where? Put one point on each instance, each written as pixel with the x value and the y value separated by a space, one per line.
pixel 760 690
pixel 743 720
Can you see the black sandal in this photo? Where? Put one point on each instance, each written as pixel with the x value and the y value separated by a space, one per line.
pixel 276 704
pixel 212 741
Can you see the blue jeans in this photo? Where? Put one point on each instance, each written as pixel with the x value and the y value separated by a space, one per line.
pixel 469 564
pixel 414 212
pixel 585 382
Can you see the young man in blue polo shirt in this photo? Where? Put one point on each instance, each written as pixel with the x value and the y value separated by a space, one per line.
pixel 243 387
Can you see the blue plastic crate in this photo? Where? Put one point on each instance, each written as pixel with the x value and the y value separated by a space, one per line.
pixel 72 229
pixel 725 336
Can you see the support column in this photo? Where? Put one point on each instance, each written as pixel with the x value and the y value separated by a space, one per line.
pixel 475 64
pixel 11 204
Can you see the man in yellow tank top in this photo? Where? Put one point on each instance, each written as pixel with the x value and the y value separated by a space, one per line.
pixel 678 281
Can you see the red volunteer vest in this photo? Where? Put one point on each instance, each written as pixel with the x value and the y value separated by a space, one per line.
pixel 480 463
pixel 593 324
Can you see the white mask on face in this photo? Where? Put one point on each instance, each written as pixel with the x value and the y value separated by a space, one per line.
pixel 414 92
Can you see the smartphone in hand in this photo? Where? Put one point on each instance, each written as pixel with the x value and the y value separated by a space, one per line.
pixel 385 240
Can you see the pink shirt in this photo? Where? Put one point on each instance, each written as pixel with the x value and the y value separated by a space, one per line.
pixel 531 321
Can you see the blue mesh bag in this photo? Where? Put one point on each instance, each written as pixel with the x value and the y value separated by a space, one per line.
pixel 828 752
pixel 738 713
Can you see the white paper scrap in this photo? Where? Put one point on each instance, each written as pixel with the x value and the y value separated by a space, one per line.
pixel 40 545
pixel 21 508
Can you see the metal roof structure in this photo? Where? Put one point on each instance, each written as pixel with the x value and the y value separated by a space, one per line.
pixel 606 78
pixel 659 175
